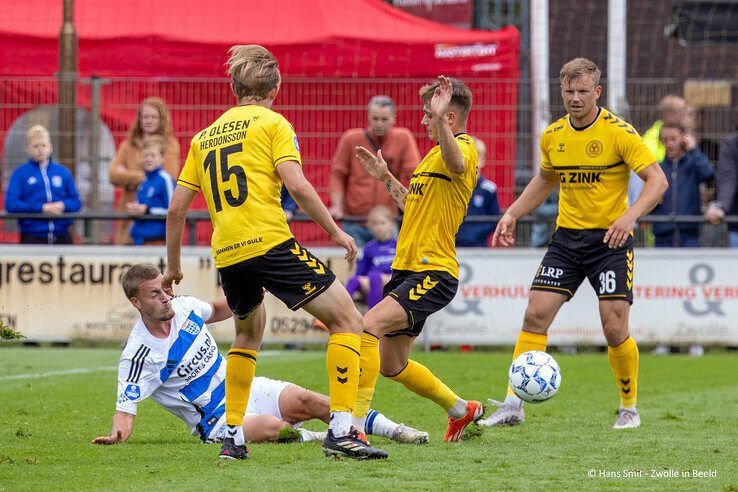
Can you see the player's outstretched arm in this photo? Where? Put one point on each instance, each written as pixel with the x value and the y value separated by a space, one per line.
pixel 439 108
pixel 532 197
pixel 308 200
pixel 376 167
pixel 221 311
pixel 122 429
pixel 654 188
pixel 181 200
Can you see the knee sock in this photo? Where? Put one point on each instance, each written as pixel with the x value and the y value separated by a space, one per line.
pixel 624 362
pixel 342 364
pixel 378 424
pixel 240 369
pixel 368 373
pixel 418 379
pixel 527 341
pixel 375 289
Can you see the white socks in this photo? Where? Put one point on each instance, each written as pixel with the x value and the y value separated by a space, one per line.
pixel 235 432
pixel 458 410
pixel 340 423
pixel 513 401
pixel 379 425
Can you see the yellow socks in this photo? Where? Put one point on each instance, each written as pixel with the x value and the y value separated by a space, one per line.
pixel 624 362
pixel 528 341
pixel 368 373
pixel 418 379
pixel 240 369
pixel 342 364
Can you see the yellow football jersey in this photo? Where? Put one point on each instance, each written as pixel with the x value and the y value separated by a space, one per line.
pixel 234 162
pixel 435 207
pixel 593 165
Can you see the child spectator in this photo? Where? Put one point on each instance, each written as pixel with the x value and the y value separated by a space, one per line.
pixel 153 194
pixel 42 186
pixel 373 268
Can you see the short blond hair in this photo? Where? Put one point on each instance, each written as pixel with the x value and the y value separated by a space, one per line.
pixel 37 131
pixel 461 96
pixel 254 71
pixel 481 146
pixel 381 211
pixel 579 67
pixel 154 141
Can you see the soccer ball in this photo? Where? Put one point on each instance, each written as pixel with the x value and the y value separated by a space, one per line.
pixel 534 376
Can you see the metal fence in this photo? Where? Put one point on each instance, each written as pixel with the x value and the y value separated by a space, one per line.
pixel 320 109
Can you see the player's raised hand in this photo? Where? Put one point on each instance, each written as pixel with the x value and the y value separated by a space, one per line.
pixel 169 278
pixel 347 242
pixel 374 165
pixel 618 233
pixel 505 232
pixel 441 97
pixel 107 440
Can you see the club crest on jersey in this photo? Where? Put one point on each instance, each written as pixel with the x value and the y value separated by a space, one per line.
pixel 594 148
pixel 478 200
pixel 191 327
pixel 132 392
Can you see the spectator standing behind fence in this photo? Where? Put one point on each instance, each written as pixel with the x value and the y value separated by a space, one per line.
pixel 727 184
pixel 483 202
pixel 42 186
pixel 685 167
pixel 153 194
pixel 126 172
pixel 353 191
pixel 672 109
pixel 373 269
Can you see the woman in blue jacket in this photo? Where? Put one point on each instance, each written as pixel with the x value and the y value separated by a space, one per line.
pixel 42 186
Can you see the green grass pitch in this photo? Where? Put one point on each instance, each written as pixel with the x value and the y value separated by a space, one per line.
pixel 689 408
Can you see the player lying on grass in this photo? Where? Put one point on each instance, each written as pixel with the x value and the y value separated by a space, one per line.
pixel 171 356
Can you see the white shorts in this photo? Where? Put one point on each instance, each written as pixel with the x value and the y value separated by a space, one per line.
pixel 264 397
pixel 263 400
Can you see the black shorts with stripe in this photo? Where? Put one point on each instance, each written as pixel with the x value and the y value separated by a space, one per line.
pixel 574 255
pixel 420 294
pixel 288 271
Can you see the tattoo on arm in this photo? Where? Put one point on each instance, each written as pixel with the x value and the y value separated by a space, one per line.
pixel 396 191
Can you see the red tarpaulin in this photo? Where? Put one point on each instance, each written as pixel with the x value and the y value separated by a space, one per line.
pixel 331 38
pixel 319 44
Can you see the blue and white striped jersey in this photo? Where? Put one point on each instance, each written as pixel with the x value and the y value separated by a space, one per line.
pixel 184 372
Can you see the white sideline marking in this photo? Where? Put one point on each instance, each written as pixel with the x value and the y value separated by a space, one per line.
pixel 87 370
pixel 36 375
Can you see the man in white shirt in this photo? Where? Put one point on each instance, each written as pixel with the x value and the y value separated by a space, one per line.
pixel 172 357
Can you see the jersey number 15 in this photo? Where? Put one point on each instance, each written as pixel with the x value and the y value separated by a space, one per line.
pixel 212 166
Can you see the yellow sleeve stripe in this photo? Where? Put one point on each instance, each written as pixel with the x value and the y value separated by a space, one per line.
pixel 187 184
pixel 287 158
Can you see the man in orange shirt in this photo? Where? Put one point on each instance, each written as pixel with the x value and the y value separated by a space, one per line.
pixel 353 191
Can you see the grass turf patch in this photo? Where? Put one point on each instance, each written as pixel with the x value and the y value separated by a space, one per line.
pixel 54 401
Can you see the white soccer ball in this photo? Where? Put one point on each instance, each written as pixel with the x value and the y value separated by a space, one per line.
pixel 534 376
